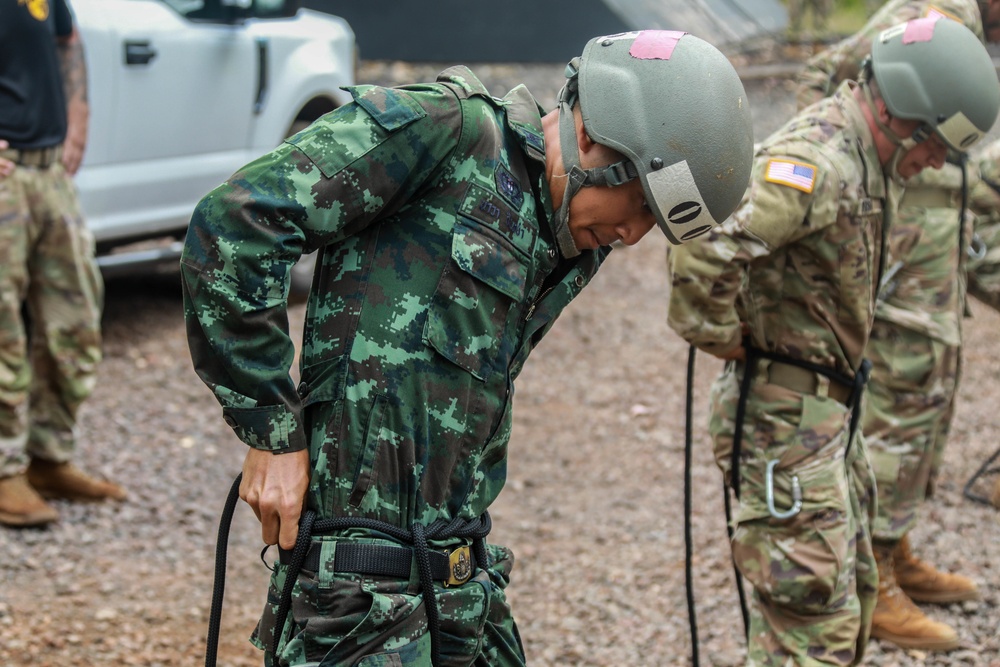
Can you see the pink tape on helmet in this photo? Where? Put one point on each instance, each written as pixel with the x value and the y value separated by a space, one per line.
pixel 655 44
pixel 919 30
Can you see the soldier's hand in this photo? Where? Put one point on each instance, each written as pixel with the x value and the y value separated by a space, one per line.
pixel 275 485
pixel 6 166
pixel 738 354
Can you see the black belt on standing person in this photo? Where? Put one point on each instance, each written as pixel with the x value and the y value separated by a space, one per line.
pixel 38 158
pixel 801 376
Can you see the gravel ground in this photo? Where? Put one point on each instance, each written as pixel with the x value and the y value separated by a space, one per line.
pixel 593 507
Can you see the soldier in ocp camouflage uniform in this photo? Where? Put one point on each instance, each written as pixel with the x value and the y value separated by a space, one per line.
pixel 984 266
pixel 842 62
pixel 453 229
pixel 48 362
pixel 915 350
pixel 785 292
pixel 984 202
pixel 915 340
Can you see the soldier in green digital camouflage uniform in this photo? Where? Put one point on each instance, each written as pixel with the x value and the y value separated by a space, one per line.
pixel 48 361
pixel 453 228
pixel 916 340
pixel 785 292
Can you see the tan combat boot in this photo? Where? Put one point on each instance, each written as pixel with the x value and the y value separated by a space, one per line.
pixel 65 480
pixel 923 583
pixel 896 619
pixel 20 505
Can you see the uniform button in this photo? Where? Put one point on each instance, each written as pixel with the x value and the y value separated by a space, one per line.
pixel 552 253
pixel 303 388
pixel 230 421
pixel 580 281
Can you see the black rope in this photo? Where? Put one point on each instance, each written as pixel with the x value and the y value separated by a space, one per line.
pixel 219 587
pixel 302 542
pixel 983 469
pixel 749 368
pixel 688 548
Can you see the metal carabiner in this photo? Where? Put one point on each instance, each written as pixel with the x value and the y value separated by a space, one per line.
pixel 796 494
pixel 977 247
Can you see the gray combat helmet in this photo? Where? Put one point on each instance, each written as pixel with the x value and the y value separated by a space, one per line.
pixel 938 72
pixel 674 106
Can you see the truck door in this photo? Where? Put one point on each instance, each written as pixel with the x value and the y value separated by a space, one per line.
pixel 181 116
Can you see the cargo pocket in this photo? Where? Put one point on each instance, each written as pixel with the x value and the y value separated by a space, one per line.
pixel 800 564
pixel 475 298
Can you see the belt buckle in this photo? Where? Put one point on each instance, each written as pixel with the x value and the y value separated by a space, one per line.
pixel 459 566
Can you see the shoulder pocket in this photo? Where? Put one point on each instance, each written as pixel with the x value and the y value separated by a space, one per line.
pixel 475 298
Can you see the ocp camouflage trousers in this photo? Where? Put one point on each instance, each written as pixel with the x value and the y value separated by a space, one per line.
pixel 908 410
pixel 813 574
pixel 47 270
pixel 339 618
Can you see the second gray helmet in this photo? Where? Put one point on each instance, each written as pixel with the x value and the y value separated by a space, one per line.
pixel 938 72
pixel 675 107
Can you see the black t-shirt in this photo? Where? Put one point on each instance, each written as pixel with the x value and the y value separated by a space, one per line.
pixel 32 101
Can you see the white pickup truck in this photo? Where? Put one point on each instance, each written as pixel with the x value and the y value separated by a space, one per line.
pixel 184 92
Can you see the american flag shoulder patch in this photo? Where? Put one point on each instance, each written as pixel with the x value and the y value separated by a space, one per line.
pixel 798 175
pixel 933 12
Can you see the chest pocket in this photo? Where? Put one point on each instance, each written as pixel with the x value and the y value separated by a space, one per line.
pixel 475 298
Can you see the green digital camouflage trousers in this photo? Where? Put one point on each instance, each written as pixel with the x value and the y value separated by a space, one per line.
pixel 47 270
pixel 908 409
pixel 813 573
pixel 360 620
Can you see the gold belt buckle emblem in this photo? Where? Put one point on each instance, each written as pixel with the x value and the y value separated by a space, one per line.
pixel 459 566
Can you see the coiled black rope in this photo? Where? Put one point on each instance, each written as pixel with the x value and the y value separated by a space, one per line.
pixel 418 536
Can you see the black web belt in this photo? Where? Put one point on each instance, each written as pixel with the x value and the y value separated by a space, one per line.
pixel 452 568
pixel 856 383
pixel 368 558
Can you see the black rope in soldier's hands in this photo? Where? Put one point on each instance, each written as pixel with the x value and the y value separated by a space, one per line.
pixel 302 543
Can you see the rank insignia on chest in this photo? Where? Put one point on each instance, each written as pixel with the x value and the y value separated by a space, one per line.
pixel 798 175
pixel 509 187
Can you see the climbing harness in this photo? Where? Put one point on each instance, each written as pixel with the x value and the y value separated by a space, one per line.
pixel 452 569
pixel 851 392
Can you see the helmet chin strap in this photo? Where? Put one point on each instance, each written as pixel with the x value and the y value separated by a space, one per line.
pixel 903 145
pixel 576 176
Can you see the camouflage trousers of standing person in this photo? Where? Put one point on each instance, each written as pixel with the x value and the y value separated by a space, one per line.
pixel 343 618
pixel 813 573
pixel 47 270
pixel 909 405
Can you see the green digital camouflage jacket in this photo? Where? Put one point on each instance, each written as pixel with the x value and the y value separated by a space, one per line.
pixel 842 62
pixel 438 273
pixel 798 260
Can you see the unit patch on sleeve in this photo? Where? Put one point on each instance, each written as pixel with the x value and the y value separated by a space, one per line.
pixel 798 175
